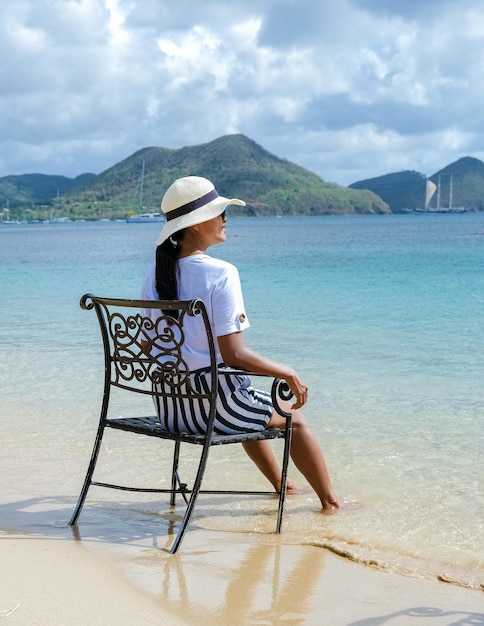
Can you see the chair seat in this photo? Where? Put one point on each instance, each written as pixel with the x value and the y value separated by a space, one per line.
pixel 150 425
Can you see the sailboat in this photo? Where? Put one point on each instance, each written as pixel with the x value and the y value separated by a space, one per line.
pixel 144 218
pixel 430 189
pixel 6 213
pixel 450 208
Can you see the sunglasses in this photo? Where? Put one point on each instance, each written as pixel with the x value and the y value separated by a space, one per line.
pixel 222 215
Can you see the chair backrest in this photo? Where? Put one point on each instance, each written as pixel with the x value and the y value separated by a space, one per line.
pixel 144 345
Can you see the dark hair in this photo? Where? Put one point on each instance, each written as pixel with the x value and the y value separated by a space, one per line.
pixel 166 275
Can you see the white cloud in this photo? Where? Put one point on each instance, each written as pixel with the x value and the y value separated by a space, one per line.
pixel 349 90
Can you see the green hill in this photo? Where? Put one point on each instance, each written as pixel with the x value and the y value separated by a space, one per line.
pixel 400 190
pixel 467 184
pixel 404 191
pixel 237 165
pixel 28 189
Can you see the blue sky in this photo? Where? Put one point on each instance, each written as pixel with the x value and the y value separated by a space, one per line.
pixel 349 89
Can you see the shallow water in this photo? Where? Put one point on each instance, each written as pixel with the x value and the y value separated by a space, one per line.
pixel 381 315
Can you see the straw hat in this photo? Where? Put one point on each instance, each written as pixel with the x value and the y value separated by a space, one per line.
pixel 191 200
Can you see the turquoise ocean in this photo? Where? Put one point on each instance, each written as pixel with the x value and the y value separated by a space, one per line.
pixel 383 316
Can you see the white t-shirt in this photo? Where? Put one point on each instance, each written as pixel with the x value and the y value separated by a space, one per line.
pixel 217 284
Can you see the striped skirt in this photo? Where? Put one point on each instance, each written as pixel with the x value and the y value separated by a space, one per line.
pixel 239 408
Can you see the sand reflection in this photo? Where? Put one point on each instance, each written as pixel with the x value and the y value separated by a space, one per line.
pixel 250 584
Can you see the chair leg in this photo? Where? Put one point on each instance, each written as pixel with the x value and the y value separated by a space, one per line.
pixel 193 498
pixel 90 472
pixel 174 473
pixel 176 484
pixel 285 463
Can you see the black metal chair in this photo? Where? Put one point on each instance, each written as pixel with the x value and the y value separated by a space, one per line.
pixel 128 337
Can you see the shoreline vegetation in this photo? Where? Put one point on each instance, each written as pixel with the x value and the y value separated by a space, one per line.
pixel 271 186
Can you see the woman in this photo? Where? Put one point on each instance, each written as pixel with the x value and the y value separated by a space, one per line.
pixel 195 215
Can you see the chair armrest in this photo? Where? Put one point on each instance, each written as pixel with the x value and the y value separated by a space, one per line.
pixel 279 390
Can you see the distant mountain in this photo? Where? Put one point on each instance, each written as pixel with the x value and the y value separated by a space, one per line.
pixel 28 189
pixel 467 183
pixel 237 166
pixel 406 190
pixel 400 190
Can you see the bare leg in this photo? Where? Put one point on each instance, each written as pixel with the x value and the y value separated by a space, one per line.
pixel 261 453
pixel 308 458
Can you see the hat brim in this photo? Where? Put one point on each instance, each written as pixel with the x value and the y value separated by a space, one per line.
pixel 198 216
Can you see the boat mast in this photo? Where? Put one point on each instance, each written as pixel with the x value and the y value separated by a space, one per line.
pixel 438 194
pixel 141 187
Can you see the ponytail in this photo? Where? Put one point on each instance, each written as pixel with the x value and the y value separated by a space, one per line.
pixel 166 276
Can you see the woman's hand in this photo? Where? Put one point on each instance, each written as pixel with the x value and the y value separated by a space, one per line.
pixel 298 388
pixel 236 354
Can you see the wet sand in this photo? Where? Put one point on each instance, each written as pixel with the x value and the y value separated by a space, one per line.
pixel 216 578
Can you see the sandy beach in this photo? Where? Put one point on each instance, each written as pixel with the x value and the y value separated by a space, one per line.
pixel 232 568
pixel 217 578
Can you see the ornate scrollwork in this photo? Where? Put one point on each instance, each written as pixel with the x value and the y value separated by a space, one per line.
pixel 173 374
pixel 127 348
pixel 86 302
pixel 146 350
pixel 194 308
pixel 280 390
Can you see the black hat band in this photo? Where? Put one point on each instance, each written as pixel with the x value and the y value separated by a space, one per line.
pixel 192 206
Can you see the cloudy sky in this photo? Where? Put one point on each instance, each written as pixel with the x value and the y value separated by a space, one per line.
pixel 349 89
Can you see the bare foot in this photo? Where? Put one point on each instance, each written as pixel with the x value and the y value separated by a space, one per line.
pixel 330 505
pixel 291 488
